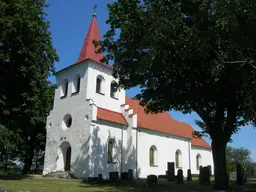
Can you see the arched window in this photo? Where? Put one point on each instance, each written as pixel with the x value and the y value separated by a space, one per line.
pixel 113 90
pixel 76 85
pixel 78 80
pixel 198 161
pixel 111 144
pixel 153 156
pixel 99 84
pixel 178 159
pixel 65 88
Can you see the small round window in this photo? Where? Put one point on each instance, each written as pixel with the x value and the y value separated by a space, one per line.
pixel 67 121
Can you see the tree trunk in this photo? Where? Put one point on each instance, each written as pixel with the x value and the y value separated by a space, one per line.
pixel 28 160
pixel 6 164
pixel 220 169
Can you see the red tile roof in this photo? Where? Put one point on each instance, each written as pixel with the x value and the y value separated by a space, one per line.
pixel 163 122
pixel 88 48
pixel 199 142
pixel 111 116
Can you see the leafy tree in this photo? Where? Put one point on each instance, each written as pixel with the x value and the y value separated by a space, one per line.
pixel 9 147
pixel 27 58
pixel 193 55
pixel 241 156
pixel 249 169
pixel 253 171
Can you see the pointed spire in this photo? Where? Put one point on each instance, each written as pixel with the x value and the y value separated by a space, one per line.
pixel 88 49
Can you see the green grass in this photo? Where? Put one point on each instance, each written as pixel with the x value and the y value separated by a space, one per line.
pixel 52 185
pixel 40 184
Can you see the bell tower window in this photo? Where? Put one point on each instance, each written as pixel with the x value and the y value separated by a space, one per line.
pixel 113 90
pixel 100 84
pixel 64 89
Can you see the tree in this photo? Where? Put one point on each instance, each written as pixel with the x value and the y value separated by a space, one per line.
pixel 189 56
pixel 27 58
pixel 9 147
pixel 253 172
pixel 241 156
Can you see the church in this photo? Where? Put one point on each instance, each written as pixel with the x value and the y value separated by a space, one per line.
pixel 94 129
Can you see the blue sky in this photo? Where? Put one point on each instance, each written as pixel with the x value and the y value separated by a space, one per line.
pixel 70 21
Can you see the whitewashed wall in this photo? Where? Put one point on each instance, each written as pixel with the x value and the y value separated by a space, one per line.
pixel 104 101
pixel 101 132
pixel 206 158
pixel 77 135
pixel 166 147
pixel 70 75
pixel 124 156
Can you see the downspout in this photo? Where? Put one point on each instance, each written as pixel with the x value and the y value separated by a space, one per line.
pixel 136 159
pixel 189 156
pixel 122 139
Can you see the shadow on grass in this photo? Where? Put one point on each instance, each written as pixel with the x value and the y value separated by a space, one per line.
pixel 140 185
pixel 250 186
pixel 252 180
pixel 15 177
pixel 165 186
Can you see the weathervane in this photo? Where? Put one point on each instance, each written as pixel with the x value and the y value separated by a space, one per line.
pixel 95 7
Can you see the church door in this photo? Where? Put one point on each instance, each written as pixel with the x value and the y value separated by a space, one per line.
pixel 68 159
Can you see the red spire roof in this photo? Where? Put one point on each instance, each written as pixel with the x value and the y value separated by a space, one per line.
pixel 88 49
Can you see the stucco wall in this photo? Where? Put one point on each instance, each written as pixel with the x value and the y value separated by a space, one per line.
pixel 101 132
pixel 124 156
pixel 206 158
pixel 103 100
pixel 77 134
pixel 166 147
pixel 70 75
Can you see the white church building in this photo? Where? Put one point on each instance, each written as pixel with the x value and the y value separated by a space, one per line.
pixel 94 130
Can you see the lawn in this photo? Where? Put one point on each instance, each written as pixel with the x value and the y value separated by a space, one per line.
pixel 40 184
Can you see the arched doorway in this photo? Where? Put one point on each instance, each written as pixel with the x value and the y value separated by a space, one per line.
pixel 64 157
pixel 68 159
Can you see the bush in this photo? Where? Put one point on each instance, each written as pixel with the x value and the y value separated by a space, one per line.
pixel 13 170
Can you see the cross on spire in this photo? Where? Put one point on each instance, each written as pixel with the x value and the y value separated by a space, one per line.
pixel 95 7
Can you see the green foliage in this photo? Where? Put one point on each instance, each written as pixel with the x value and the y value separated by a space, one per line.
pixel 230 168
pixel 189 56
pixel 237 155
pixel 27 59
pixel 241 156
pixel 9 147
pixel 253 170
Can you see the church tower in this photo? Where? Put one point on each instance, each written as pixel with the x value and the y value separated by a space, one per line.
pixel 85 94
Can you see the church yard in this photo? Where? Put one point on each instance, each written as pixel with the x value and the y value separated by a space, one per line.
pixel 41 184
